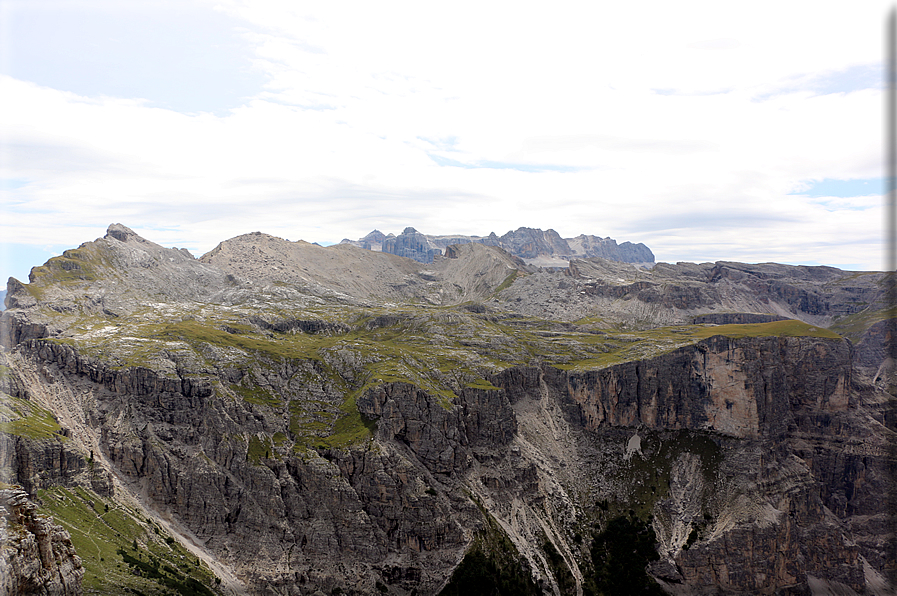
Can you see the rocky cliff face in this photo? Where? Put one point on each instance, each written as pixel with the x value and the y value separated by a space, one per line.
pixel 539 247
pixel 37 555
pixel 675 294
pixel 529 243
pixel 701 428
pixel 588 246
pixel 295 439
pixel 411 244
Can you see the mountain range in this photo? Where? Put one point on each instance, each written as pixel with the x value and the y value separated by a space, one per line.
pixel 534 246
pixel 278 417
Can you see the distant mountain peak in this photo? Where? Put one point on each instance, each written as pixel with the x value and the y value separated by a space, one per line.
pixel 533 245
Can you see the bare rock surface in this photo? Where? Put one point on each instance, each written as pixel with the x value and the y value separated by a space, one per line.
pixel 343 271
pixel 337 420
pixel 37 556
pixel 674 294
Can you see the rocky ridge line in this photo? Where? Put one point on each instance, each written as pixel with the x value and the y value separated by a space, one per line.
pixel 535 246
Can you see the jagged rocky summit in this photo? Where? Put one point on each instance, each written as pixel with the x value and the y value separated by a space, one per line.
pixel 277 417
pixel 534 246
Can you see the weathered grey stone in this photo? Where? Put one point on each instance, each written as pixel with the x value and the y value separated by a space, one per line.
pixel 37 556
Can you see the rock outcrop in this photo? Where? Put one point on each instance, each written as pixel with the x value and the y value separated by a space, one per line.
pixel 675 294
pixel 736 318
pixel 37 556
pixel 588 246
pixel 411 244
pixel 529 243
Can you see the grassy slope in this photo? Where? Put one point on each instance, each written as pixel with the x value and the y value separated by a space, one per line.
pixel 441 350
pixel 123 552
pixel 27 419
pixel 854 326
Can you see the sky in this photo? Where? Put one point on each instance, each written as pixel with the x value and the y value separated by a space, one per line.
pixel 711 131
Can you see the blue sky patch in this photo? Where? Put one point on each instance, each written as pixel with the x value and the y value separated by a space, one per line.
pixel 16 260
pixel 855 78
pixel 12 183
pixel 829 187
pixel 833 204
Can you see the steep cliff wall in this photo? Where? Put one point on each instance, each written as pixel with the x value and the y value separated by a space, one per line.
pixel 760 460
pixel 765 496
pixel 745 388
pixel 279 515
pixel 36 555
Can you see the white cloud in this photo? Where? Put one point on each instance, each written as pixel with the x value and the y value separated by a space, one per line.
pixel 672 124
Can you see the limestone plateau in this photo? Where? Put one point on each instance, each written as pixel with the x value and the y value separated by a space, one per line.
pixel 277 417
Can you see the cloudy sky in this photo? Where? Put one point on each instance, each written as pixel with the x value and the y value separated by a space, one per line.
pixel 708 131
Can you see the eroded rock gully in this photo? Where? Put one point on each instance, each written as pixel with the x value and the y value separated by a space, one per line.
pixel 762 462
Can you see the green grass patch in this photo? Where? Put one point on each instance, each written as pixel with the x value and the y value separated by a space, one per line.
pixel 615 348
pixel 506 283
pixel 28 419
pixel 648 474
pixel 350 427
pixel 306 426
pixel 260 448
pixel 482 384
pixel 165 575
pixel 121 551
pixel 75 266
pixel 196 333
pixel 787 328
pixel 257 396
pixel 593 322
pixel 854 326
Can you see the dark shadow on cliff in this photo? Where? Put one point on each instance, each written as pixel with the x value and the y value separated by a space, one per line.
pixel 620 555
